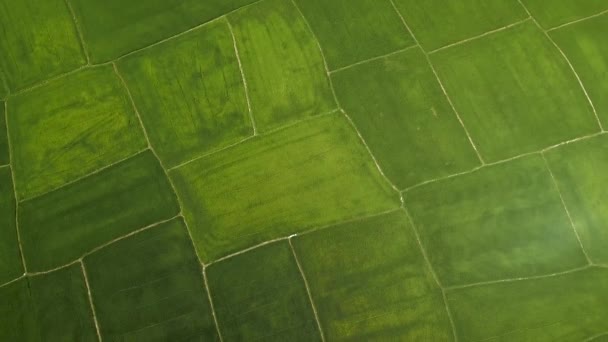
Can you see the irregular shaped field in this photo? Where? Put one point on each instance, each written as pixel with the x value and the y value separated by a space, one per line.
pixel 303 170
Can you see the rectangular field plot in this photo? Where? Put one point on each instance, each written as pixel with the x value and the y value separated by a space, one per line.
pixel 10 256
pixel 62 225
pixel 369 282
pixel 554 13
pixel 4 152
pixel 310 174
pixel 149 287
pixel 282 63
pixel 190 93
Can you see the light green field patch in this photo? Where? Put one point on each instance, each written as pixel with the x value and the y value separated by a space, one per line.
pixel 308 175
pixel 4 156
pixel 399 108
pixel 112 28
pixel 437 23
pixel 580 171
pixel 370 282
pixel 554 13
pixel 585 45
pixel 38 40
pixel 260 295
pixel 350 31
pixel 70 128
pixel 570 307
pixel 51 307
pixel 64 224
pixel 149 287
pixel 189 93
pixel 10 257
pixel 501 222
pixel 514 98
pixel 282 63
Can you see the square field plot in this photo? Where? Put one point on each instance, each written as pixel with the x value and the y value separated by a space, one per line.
pixel 62 225
pixel 515 92
pixel 190 93
pixel 554 13
pixel 112 28
pixel 149 287
pixel 308 175
pixel 369 281
pixel 581 172
pixel 69 128
pixel 350 31
pixel 405 118
pixel 568 307
pixel 437 23
pixel 10 256
pixel 260 296
pixel 585 45
pixel 282 63
pixel 50 307
pixel 38 40
pixel 501 222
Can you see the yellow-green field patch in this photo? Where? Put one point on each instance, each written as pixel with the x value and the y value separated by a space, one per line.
pixel 554 13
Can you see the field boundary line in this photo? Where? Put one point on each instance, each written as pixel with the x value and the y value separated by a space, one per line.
pixel 577 20
pixel 386 55
pixel 86 282
pixel 596 336
pixel 217 325
pixel 50 80
pixel 13 280
pixel 83 45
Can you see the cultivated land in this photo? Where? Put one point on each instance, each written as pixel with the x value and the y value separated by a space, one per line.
pixel 303 170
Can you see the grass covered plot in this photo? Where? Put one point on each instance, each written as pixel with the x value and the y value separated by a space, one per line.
pixel 149 287
pixel 370 282
pixel 4 151
pixel 554 13
pixel 514 92
pixel 70 128
pixel 308 175
pixel 51 307
pixel 189 92
pixel 570 307
pixel 112 28
pixel 399 108
pixel 501 222
pixel 585 45
pixel 63 225
pixel 350 31
pixel 260 296
pixel 282 63
pixel 437 23
pixel 580 171
pixel 38 40
pixel 10 257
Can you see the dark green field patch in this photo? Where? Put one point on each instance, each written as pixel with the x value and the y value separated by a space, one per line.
pixel 149 287
pixel 369 282
pixel 308 175
pixel 10 256
pixel 350 31
pixel 514 98
pixel 70 128
pixel 260 295
pixel 38 40
pixel 4 153
pixel 51 307
pixel 404 117
pixel 570 307
pixel 190 94
pixel 500 222
pixel 554 13
pixel 282 63
pixel 62 225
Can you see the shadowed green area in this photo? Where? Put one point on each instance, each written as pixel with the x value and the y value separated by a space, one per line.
pixel 64 224
pixel 38 40
pixel 50 307
pixel 370 282
pixel 350 31
pixel 149 287
pixel 308 175
pixel 580 171
pixel 112 28
pixel 585 45
pixel 504 221
pixel 554 13
pixel 399 108
pixel 260 295
pixel 437 23
pixel 570 307
pixel 69 128
pixel 4 153
pixel 282 63
pixel 10 256
pixel 513 98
